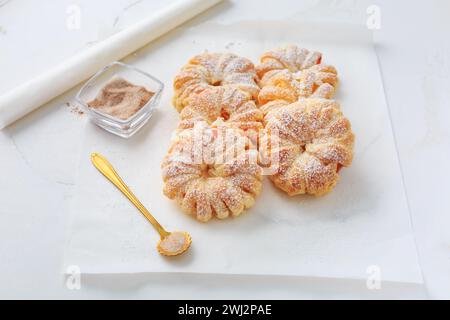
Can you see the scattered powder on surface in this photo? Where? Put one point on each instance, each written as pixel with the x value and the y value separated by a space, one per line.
pixel 121 99
pixel 75 109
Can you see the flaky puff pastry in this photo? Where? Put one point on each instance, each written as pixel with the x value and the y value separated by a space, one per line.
pixel 231 105
pixel 290 73
pixel 315 142
pixel 211 70
pixel 218 177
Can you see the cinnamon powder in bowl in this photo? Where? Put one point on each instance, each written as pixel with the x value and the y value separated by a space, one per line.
pixel 121 99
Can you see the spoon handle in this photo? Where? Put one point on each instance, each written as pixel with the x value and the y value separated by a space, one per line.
pixel 108 171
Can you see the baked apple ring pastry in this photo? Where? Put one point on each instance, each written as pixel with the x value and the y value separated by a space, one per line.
pixel 315 142
pixel 291 73
pixel 209 70
pixel 231 105
pixel 212 172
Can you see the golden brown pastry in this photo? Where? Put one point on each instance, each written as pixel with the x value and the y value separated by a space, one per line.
pixel 231 105
pixel 315 141
pixel 290 57
pixel 290 73
pixel 216 175
pixel 210 70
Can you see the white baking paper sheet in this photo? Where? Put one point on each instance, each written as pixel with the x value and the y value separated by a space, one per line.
pixel 361 230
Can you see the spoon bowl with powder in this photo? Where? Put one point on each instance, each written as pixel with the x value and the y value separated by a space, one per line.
pixel 171 243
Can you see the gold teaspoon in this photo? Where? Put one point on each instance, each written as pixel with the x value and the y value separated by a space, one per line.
pixel 171 243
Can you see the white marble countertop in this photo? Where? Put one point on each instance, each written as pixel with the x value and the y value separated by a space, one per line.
pixel 39 153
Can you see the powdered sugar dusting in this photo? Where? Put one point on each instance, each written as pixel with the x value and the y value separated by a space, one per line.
pixel 316 140
pixel 214 70
pixel 317 81
pixel 211 173
pixel 231 105
pixel 290 57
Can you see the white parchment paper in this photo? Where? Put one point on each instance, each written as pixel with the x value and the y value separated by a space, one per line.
pixel 362 229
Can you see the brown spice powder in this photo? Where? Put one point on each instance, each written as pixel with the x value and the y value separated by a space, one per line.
pixel 121 99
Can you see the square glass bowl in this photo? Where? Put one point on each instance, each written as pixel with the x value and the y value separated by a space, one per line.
pixel 123 128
